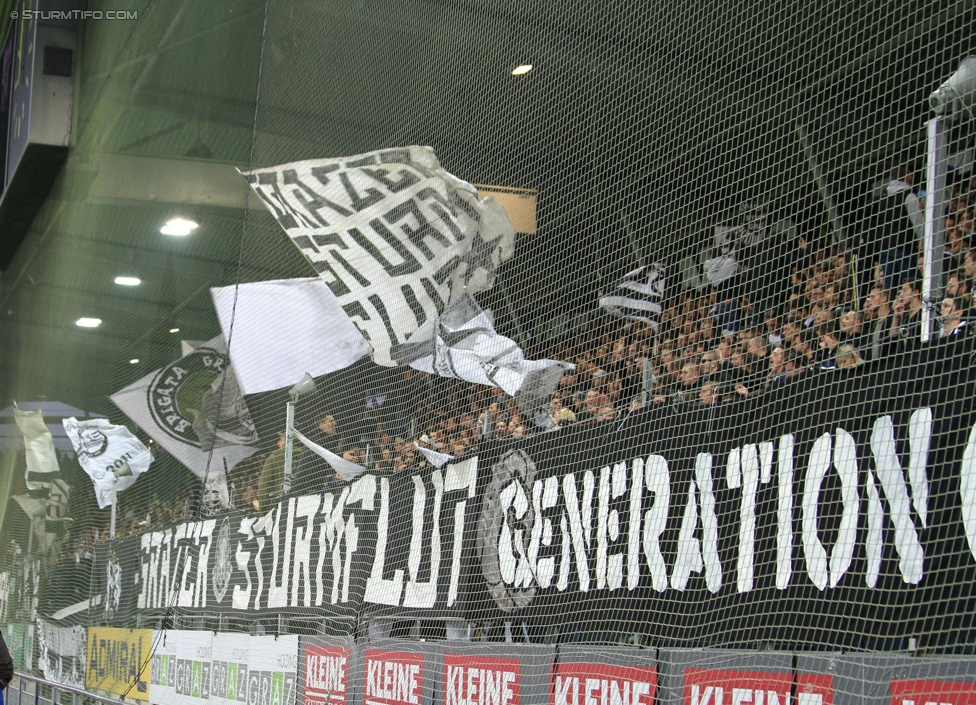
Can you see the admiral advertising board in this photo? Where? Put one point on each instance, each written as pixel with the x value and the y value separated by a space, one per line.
pixel 118 661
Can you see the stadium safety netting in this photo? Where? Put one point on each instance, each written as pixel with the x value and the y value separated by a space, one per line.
pixel 491 353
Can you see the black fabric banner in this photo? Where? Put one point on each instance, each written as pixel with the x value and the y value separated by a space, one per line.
pixel 115 581
pixel 377 545
pixel 832 511
pixel 823 512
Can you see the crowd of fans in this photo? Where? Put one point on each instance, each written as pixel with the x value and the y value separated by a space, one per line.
pixel 806 308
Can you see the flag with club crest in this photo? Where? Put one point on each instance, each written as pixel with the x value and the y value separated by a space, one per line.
pixel 103 449
pixel 194 409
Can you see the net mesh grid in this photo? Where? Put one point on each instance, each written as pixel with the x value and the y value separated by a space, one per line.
pixel 768 469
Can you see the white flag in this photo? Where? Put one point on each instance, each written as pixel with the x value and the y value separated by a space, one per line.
pixel 42 459
pixel 283 329
pixel 435 458
pixel 103 449
pixel 190 406
pixel 394 235
pixel 346 469
pixel 467 347
pixel 638 295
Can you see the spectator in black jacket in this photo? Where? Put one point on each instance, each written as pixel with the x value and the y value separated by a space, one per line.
pixel 6 666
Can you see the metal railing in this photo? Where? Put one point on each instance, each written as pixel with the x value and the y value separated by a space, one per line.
pixel 25 689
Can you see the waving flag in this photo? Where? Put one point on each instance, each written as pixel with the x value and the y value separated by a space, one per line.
pixel 394 235
pixel 638 295
pixel 103 449
pixel 42 459
pixel 283 329
pixel 467 347
pixel 193 408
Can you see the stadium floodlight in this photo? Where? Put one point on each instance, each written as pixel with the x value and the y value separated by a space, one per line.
pixel 953 97
pixel 305 385
pixel 958 92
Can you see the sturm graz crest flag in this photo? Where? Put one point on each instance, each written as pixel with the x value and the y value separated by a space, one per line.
pixel 638 295
pixel 194 409
pixel 394 235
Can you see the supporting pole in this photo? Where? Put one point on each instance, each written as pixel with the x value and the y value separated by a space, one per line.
pixel 115 501
pixel 934 244
pixel 289 444
pixel 647 382
pixel 840 235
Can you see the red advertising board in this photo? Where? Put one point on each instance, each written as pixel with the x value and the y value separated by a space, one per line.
pixel 326 675
pixel 919 692
pixel 600 683
pixel 481 680
pixel 392 677
pixel 723 687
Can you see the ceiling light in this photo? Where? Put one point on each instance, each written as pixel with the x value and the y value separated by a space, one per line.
pixel 134 361
pixel 174 330
pixel 88 322
pixel 521 69
pixel 178 227
pixel 128 281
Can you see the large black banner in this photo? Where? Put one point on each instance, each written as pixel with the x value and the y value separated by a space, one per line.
pixel 832 511
pixel 378 545
pixel 836 511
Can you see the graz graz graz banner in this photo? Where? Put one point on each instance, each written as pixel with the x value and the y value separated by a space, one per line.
pixel 835 509
pixel 377 545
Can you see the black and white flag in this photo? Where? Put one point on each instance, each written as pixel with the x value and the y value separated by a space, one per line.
pixel 638 295
pixel 193 408
pixel 42 459
pixel 103 449
pixel 467 347
pixel 394 235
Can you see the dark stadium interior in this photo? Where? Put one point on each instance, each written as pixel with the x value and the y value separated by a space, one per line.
pixel 642 126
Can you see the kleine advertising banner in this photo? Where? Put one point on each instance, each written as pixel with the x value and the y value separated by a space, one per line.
pixel 118 661
pixel 923 692
pixel 590 683
pixel 325 672
pixel 719 687
pixel 481 679
pixel 393 677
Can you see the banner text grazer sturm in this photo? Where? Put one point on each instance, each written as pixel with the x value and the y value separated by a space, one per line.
pixel 376 545
pixel 394 235
pixel 737 523
pixel 692 524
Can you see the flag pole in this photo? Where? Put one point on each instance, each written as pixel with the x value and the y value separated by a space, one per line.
pixel 305 385
pixel 115 500
pixel 289 445
pixel 934 239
